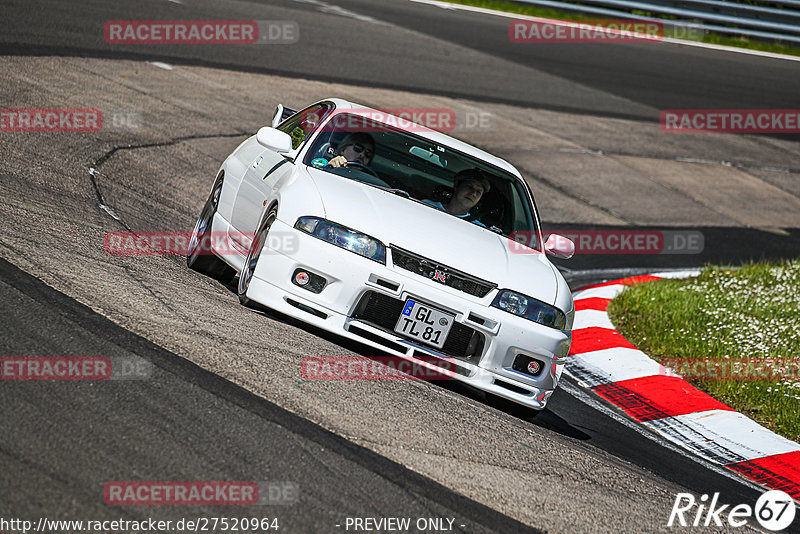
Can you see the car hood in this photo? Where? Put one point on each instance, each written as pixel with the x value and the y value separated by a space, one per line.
pixel 435 235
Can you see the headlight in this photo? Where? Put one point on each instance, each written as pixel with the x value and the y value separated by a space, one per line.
pixel 530 308
pixel 344 237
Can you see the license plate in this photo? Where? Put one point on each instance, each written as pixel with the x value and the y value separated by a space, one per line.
pixel 420 321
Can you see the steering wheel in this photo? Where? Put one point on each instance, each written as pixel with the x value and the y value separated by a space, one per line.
pixel 363 167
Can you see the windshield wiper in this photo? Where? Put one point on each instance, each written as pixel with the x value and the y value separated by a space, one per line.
pixel 399 192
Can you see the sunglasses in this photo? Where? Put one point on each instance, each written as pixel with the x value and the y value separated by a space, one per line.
pixel 361 148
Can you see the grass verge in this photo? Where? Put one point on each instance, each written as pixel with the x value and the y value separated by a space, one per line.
pixel 710 38
pixel 742 325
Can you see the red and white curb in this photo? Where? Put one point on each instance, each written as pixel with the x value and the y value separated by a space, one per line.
pixel 608 364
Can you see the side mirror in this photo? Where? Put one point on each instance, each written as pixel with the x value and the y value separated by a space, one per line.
pixel 559 246
pixel 273 139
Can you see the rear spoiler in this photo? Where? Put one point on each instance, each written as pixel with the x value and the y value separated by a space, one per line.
pixel 281 113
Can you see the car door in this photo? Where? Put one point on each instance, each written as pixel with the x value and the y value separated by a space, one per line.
pixel 255 188
pixel 267 169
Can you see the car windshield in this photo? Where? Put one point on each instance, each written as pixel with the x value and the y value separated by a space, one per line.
pixel 423 171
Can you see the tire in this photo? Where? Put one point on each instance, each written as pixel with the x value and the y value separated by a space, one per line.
pixel 208 263
pixel 253 255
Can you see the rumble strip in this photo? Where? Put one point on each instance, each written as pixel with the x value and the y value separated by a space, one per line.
pixel 603 361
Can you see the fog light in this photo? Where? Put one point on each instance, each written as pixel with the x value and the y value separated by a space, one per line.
pixel 308 280
pixel 301 278
pixel 528 365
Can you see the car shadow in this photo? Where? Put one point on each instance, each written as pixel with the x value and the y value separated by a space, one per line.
pixel 541 418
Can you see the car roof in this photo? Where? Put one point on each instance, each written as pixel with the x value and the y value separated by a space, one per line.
pixel 431 135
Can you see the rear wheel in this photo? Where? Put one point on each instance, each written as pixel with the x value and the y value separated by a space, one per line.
pixel 199 256
pixel 257 245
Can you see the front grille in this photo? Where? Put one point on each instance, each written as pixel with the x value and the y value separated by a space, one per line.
pixel 436 271
pixel 379 309
pixel 383 311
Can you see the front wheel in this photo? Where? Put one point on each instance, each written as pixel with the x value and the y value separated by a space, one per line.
pixel 199 256
pixel 256 246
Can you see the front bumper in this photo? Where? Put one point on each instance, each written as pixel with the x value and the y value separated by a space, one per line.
pixel 485 341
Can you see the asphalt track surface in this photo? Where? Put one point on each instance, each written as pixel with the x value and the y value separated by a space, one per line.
pixel 201 421
pixel 394 48
pixel 228 433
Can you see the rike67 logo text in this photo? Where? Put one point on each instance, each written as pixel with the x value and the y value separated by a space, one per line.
pixel 774 510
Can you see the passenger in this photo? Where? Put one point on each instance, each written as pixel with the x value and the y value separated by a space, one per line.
pixel 469 187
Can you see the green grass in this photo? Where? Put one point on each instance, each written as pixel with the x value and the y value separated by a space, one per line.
pixel 710 38
pixel 726 315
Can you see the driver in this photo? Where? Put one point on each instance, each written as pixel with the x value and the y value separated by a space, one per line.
pixel 358 147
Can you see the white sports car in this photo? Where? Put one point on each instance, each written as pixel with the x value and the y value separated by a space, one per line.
pixel 396 236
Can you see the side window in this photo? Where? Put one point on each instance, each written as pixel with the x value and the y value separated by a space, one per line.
pixel 300 125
